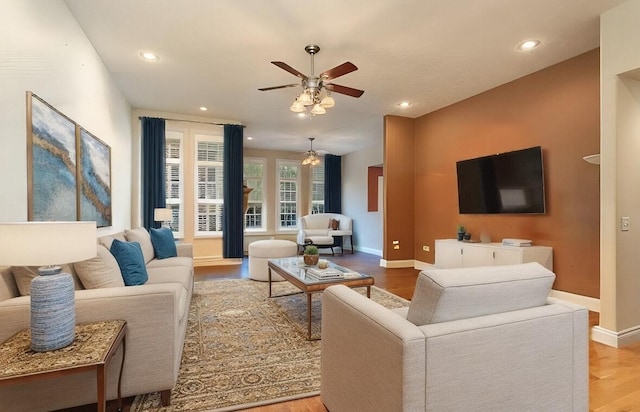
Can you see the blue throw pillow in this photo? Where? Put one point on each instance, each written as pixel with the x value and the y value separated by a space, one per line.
pixel 163 244
pixel 131 261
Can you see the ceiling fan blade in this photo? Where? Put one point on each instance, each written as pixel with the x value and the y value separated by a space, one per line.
pixel 349 91
pixel 286 67
pixel 264 89
pixel 338 71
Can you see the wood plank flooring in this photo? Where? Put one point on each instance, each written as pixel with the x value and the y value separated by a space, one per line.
pixel 614 374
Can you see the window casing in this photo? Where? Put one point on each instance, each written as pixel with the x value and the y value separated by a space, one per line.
pixel 254 177
pixel 174 178
pixel 317 189
pixel 288 197
pixel 209 184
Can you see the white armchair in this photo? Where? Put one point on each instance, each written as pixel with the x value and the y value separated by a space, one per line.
pixel 322 229
pixel 476 339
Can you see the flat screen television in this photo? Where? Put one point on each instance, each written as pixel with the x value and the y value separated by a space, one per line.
pixel 511 182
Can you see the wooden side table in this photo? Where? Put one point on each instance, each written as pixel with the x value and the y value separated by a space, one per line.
pixel 94 345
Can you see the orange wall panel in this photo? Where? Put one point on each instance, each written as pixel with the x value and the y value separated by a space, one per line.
pixel 556 108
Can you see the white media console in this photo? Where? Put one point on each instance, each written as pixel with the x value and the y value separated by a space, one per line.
pixel 451 253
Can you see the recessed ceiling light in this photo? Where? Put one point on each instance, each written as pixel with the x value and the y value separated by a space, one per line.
pixel 302 115
pixel 149 56
pixel 202 108
pixel 249 138
pixel 528 45
pixel 404 105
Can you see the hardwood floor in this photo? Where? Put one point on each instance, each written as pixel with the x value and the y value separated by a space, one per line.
pixel 614 374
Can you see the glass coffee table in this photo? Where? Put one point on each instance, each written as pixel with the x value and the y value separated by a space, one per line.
pixel 295 271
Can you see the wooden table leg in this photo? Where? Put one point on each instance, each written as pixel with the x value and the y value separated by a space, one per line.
pixel 269 282
pixel 102 387
pixel 309 314
pixel 369 292
pixel 124 353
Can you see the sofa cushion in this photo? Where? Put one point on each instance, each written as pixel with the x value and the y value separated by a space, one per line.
pixel 164 246
pixel 131 262
pixel 107 240
pixel 101 271
pixel 141 236
pixel 23 276
pixel 443 295
pixel 180 261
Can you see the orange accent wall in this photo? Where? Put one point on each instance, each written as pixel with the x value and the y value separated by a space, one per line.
pixel 399 187
pixel 557 108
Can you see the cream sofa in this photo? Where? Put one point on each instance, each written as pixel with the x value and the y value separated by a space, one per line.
pixel 316 229
pixel 477 339
pixel 156 315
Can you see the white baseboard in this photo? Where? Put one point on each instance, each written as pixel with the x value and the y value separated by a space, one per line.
pixel 396 263
pixel 420 265
pixel 615 339
pixel 215 261
pixel 368 250
pixel 588 302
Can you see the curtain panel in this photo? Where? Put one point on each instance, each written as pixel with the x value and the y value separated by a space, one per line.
pixel 332 184
pixel 153 169
pixel 233 221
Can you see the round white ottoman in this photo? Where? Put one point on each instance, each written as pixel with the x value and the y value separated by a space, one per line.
pixel 262 250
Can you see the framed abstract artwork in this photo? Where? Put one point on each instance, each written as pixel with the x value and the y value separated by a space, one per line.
pixel 68 168
pixel 51 163
pixel 94 177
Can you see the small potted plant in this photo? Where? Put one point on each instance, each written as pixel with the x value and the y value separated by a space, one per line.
pixel 461 231
pixel 311 255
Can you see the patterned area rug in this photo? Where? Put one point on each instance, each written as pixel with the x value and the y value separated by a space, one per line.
pixel 243 349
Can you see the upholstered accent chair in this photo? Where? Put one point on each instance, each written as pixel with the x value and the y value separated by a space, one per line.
pixel 322 230
pixel 476 339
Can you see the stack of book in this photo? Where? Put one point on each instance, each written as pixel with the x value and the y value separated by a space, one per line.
pixel 334 272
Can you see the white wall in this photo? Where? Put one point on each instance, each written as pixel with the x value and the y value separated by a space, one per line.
pixel 43 50
pixel 367 226
pixel 619 175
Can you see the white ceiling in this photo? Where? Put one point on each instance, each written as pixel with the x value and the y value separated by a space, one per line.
pixel 217 53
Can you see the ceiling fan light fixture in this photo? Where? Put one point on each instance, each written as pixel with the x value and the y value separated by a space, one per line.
pixel 317 109
pixel 327 102
pixel 310 156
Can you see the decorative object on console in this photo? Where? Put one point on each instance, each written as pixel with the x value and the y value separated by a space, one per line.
pixel 315 93
pixel 517 242
pixel 52 292
pixel 311 255
pixel 461 231
pixel 163 214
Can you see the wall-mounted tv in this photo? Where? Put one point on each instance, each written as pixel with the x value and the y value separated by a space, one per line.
pixel 511 182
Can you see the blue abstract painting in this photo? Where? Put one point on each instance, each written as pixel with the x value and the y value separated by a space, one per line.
pixel 53 168
pixel 95 179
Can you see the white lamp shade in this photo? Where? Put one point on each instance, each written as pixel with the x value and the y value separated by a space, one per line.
pixel 162 215
pixel 46 243
pixel 297 107
pixel 305 99
pixel 317 109
pixel 327 102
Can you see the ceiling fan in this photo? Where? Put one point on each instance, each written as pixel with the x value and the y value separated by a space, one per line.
pixel 315 92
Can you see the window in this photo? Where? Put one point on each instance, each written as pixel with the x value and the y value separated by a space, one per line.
pixel 174 179
pixel 317 189
pixel 254 218
pixel 209 184
pixel 288 184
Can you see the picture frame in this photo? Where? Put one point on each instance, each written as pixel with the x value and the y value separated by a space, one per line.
pixel 51 163
pixel 94 178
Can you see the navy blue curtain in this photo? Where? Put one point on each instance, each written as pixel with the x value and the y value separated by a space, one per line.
pixel 153 169
pixel 232 219
pixel 332 184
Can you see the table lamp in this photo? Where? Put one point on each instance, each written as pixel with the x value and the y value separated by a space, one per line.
pixel 47 244
pixel 163 215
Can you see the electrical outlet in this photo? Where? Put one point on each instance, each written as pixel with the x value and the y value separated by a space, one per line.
pixel 396 247
pixel 625 222
pixel 426 248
